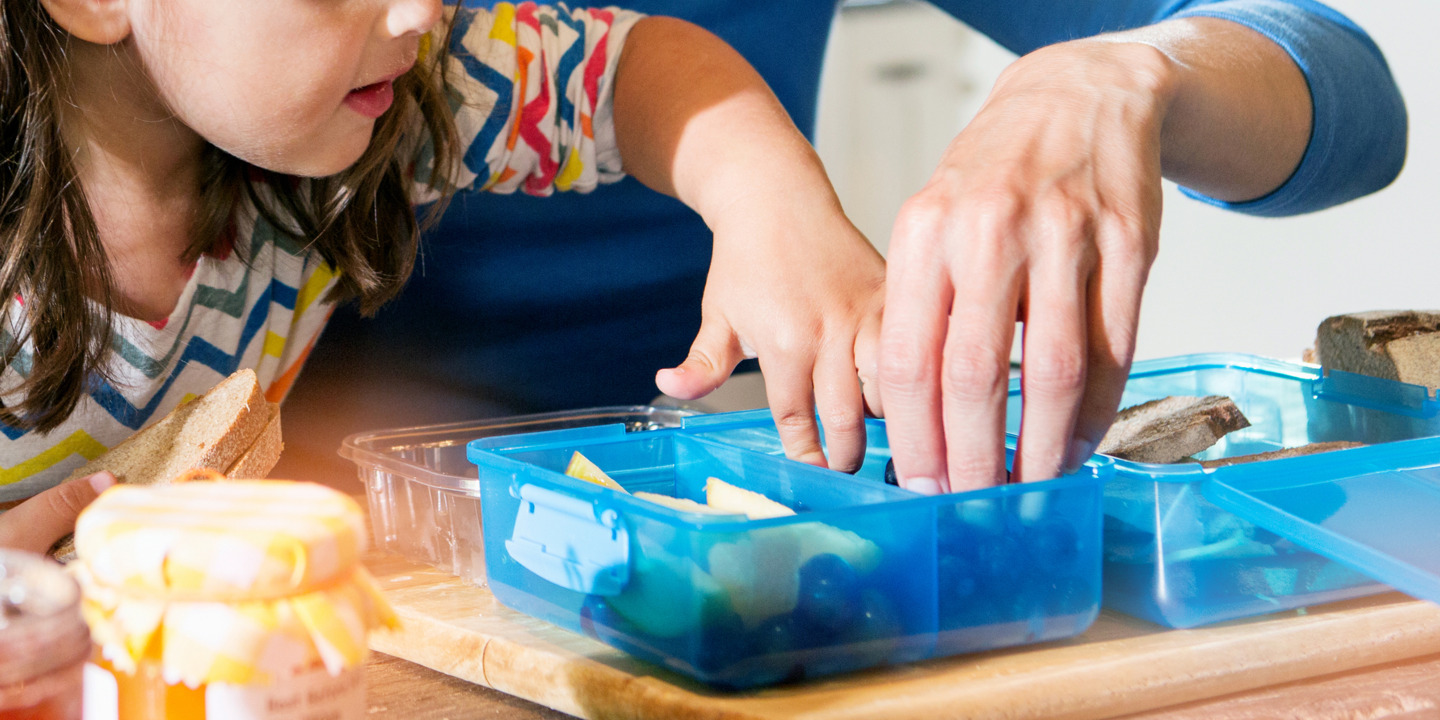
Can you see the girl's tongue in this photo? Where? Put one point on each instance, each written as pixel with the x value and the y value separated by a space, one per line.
pixel 372 100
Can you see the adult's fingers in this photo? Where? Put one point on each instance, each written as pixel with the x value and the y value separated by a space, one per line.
pixel 918 295
pixel 1114 296
pixel 976 382
pixel 713 356
pixel 36 524
pixel 975 378
pixel 1056 350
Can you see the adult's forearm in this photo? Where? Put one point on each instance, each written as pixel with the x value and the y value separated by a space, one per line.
pixel 1239 117
pixel 1358 125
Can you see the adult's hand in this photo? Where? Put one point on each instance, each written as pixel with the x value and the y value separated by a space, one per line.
pixel 36 524
pixel 1046 210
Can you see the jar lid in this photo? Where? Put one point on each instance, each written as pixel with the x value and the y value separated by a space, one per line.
pixel 220 541
pixel 236 582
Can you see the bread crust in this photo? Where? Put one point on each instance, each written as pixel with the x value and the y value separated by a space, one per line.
pixel 229 426
pixel 1310 449
pixel 1402 345
pixel 1171 429
pixel 211 431
pixel 256 462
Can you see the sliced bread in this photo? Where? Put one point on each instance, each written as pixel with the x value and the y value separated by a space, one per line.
pixel 230 429
pixel 1399 345
pixel 1310 449
pixel 211 431
pixel 257 461
pixel 1171 429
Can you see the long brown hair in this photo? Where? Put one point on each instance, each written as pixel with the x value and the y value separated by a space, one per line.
pixel 53 264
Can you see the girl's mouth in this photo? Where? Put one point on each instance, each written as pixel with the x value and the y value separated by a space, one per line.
pixel 372 100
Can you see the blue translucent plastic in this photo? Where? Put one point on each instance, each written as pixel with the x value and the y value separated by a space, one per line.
pixel 1373 509
pixel 864 574
pixel 1175 558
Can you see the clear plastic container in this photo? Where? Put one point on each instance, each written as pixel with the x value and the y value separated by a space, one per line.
pixel 1172 556
pixel 864 574
pixel 1371 508
pixel 43 640
pixel 423 495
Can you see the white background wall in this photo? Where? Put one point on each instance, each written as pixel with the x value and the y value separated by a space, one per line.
pixel 903 78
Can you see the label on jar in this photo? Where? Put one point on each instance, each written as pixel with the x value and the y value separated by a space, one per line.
pixel 314 695
pixel 101 693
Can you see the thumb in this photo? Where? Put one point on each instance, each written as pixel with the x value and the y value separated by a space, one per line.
pixel 713 356
pixel 36 524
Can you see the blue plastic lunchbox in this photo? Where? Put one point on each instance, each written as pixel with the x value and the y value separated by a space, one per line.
pixel 863 574
pixel 1176 554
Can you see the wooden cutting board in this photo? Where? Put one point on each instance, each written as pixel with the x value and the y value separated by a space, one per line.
pixel 1121 665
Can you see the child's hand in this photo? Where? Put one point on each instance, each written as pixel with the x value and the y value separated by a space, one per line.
pixel 793 283
pixel 36 524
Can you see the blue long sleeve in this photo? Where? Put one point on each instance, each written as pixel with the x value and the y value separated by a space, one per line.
pixel 1358 132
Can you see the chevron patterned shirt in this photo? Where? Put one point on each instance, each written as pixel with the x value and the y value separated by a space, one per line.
pixel 532 90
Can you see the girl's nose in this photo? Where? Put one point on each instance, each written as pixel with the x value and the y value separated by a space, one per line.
pixel 411 17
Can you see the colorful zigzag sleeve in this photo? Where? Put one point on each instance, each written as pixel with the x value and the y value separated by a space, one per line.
pixel 532 88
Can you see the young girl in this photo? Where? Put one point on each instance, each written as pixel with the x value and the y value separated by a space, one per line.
pixel 190 186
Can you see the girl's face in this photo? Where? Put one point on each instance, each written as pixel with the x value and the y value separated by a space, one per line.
pixel 293 86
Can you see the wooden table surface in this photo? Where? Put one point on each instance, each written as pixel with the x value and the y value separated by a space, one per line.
pixel 1408 690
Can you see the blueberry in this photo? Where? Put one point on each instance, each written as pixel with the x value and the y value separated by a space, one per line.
pixel 829 600
pixel 778 634
pixel 1054 546
pixel 775 637
pixel 878 635
pixel 878 619
pixel 722 642
pixel 890 478
pixel 597 619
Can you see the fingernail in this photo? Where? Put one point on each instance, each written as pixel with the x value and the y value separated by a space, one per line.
pixel 679 370
pixel 1080 451
pixel 923 485
pixel 101 482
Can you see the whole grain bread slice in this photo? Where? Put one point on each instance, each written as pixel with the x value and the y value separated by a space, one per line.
pixel 1399 345
pixel 216 431
pixel 1172 428
pixel 256 462
pixel 1310 449
pixel 211 431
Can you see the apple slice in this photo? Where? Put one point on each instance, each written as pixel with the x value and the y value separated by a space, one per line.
pixel 581 468
pixel 723 495
pixel 681 504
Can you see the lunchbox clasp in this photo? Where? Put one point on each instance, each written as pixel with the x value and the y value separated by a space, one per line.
pixel 564 540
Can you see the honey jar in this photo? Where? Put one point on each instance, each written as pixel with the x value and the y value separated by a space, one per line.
pixel 241 600
pixel 43 641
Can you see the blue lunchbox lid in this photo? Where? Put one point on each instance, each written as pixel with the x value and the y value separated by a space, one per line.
pixel 1375 508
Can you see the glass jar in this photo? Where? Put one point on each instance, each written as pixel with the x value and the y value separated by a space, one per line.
pixel 240 600
pixel 43 640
